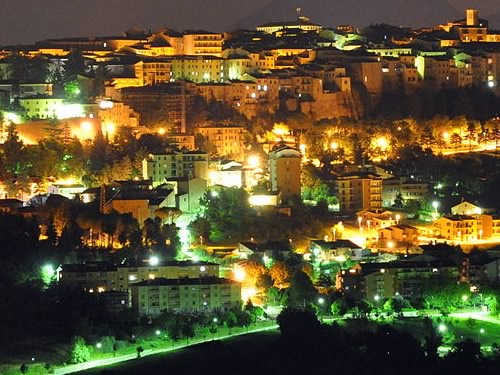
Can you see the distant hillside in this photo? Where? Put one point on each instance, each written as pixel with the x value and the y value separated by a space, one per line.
pixel 414 13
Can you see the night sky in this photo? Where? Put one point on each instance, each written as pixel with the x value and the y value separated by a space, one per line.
pixel 26 21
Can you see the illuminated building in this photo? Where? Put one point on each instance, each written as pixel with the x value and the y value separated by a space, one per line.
pixel 188 192
pixel 379 281
pixel 409 189
pixel 403 236
pixel 181 141
pixel 284 171
pixel 466 208
pixel 158 167
pixel 302 24
pixel 42 106
pixel 460 228
pixel 200 42
pixel 14 89
pixel 199 68
pixel 151 297
pixel 69 191
pixel 163 101
pixel 269 249
pixel 137 198
pixel 339 250
pixel 108 277
pixel 113 115
pixel 229 141
pixel 153 71
pixel 358 191
pixel 251 96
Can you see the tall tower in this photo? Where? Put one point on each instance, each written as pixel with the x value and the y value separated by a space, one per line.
pixel 471 17
pixel 284 171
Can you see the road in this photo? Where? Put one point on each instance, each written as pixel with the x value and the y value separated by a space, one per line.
pixel 127 357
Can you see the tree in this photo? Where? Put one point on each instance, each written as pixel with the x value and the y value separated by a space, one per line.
pixel 297 323
pixel 24 368
pixel 339 307
pixel 79 350
pixel 280 273
pixel 301 291
pixel 139 351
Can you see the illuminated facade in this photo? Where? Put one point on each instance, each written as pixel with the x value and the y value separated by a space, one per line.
pixel 151 297
pixel 202 43
pixel 378 281
pixel 42 106
pixel 199 68
pixel 301 24
pixel 358 191
pixel 115 114
pixel 229 141
pixel 101 277
pixel 284 171
pixel 159 167
pixel 410 190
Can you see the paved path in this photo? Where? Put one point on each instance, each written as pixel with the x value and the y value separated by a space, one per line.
pixel 127 357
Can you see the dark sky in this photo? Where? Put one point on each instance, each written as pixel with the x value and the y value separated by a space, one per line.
pixel 26 21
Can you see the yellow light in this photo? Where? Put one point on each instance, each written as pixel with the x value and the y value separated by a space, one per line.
pixel 67 181
pixel 446 135
pixel 390 245
pixel 280 129
pixel 382 143
pixel 109 128
pixel 334 145
pixel 239 274
pixel 247 293
pixel 86 126
pixel 161 131
pixel 253 161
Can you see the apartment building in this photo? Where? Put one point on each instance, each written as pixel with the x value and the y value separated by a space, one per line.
pixel 284 171
pixel 100 277
pixel 358 191
pixel 149 298
pixel 409 189
pixel 378 281
pixel 158 167
pixel 228 141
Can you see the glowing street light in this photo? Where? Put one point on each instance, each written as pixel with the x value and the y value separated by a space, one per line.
pixel 321 301
pixel 98 345
pixel 376 297
pixel 442 328
pixel 158 332
pixel 435 204
pixel 154 260
pixel 254 161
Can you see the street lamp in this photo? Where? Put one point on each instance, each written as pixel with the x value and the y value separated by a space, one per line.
pixel 435 204
pixel 321 302
pixel 398 217
pixel 481 332
pixel 442 328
